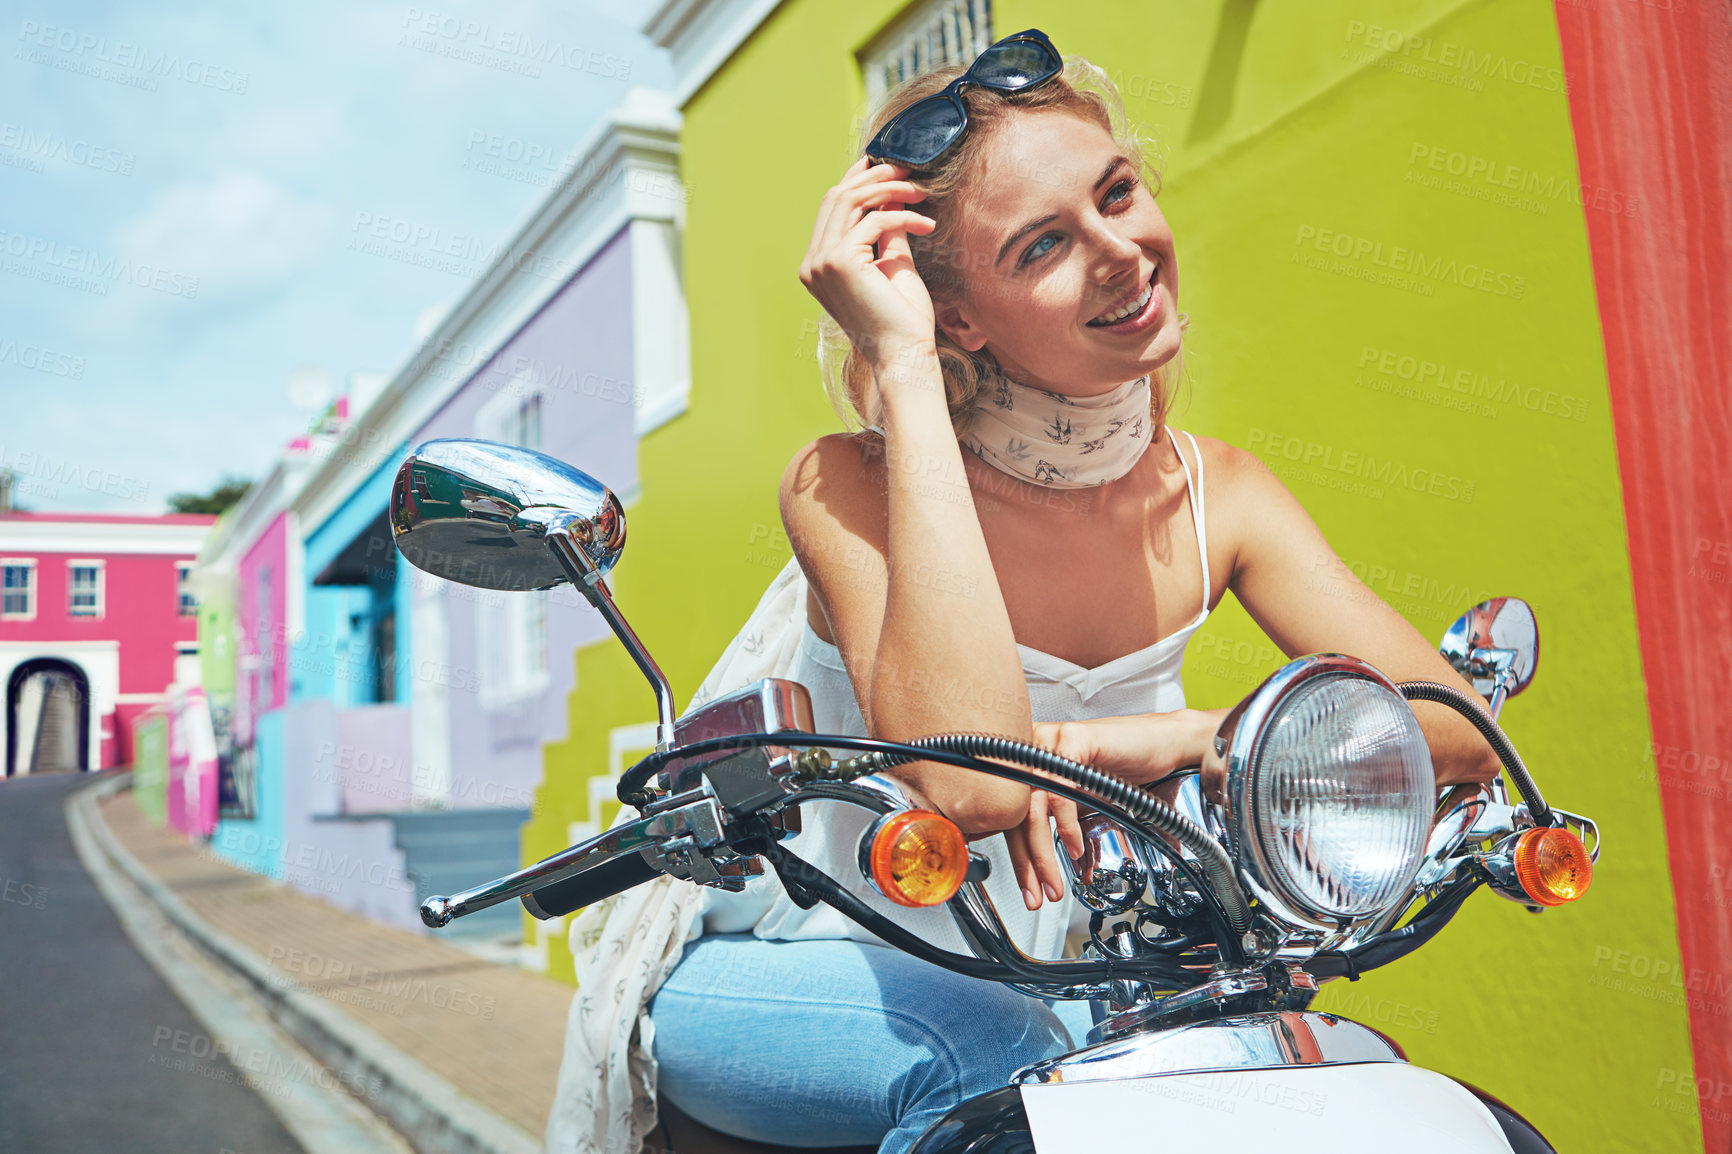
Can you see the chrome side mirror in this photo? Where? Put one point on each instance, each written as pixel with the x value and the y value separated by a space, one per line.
pixel 479 513
pixel 499 516
pixel 1495 645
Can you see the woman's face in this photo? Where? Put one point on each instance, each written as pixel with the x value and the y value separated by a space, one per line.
pixel 1057 237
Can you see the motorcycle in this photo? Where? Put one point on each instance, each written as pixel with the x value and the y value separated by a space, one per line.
pixel 1215 913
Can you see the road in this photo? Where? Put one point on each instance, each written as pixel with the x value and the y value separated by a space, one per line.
pixel 96 1052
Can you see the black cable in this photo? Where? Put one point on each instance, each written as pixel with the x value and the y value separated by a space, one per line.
pixel 1145 806
pixel 1506 752
pixel 1228 939
pixel 798 874
pixel 1392 945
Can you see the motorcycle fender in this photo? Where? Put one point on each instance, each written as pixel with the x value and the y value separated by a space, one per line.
pixel 1374 1106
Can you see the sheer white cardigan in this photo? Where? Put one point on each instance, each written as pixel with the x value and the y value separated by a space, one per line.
pixel 626 946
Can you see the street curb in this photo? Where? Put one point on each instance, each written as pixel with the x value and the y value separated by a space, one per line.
pixel 434 1115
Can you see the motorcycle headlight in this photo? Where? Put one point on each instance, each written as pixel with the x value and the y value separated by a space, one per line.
pixel 1329 791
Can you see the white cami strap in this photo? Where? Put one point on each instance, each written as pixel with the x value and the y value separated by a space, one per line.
pixel 1196 492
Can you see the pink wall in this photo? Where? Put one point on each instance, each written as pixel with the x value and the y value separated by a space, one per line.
pixel 140 599
pixel 261 618
pixel 191 794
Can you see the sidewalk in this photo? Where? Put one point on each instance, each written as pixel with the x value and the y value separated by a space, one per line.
pixel 467 1050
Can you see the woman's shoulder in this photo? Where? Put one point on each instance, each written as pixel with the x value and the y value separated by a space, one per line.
pixel 839 476
pixel 1221 459
pixel 837 453
pixel 1247 501
pixel 1233 475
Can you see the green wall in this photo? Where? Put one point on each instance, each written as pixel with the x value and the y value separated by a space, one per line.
pixel 216 641
pixel 1429 382
pixel 150 766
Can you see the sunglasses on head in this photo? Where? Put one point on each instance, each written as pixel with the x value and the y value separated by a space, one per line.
pixel 926 129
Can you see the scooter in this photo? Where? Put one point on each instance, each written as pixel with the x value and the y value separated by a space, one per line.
pixel 1215 913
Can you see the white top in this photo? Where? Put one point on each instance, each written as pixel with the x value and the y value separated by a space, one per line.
pixel 1146 681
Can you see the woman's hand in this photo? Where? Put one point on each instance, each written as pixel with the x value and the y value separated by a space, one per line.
pixel 1032 858
pixel 873 293
pixel 1141 748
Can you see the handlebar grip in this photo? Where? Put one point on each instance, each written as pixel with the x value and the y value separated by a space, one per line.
pixel 588 887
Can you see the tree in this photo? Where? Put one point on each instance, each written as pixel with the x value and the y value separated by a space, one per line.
pixel 227 492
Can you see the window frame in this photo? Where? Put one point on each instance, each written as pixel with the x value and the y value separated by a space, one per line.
pixel 31 588
pixel 183 571
pixel 903 50
pixel 100 609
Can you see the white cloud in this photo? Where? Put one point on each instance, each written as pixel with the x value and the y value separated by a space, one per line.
pixel 236 232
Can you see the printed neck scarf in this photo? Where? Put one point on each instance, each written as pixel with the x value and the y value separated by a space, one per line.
pixel 1058 441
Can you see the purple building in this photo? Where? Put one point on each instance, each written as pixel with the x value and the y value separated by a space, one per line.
pixel 404 752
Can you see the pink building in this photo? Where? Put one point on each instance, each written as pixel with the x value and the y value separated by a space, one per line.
pixel 95 625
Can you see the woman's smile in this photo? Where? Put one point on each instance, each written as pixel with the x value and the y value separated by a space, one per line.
pixel 1136 314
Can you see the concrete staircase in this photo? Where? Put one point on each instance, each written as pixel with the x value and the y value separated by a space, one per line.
pixel 55 748
pixel 449 850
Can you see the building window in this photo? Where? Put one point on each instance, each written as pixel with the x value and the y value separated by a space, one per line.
pixel 18 589
pixel 523 424
pixel 262 610
pixel 84 588
pixel 514 624
pixel 185 599
pixel 929 36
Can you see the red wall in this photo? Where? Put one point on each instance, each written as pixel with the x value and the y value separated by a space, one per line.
pixel 1651 102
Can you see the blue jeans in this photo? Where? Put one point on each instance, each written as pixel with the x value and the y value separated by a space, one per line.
pixel 839 1043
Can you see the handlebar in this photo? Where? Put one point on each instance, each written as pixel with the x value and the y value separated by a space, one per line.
pixel 704 818
pixel 589 887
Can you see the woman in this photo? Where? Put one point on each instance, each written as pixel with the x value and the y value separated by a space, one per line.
pixel 1018 545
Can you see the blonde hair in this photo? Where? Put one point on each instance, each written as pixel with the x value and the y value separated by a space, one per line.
pixel 1082 88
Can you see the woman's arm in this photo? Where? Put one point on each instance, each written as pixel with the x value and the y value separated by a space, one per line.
pixel 899 568
pixel 893 548
pixel 1308 601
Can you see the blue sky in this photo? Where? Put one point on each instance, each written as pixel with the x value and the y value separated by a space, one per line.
pixel 180 185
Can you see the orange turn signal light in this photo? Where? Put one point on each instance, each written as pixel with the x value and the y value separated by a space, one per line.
pixel 1552 866
pixel 917 857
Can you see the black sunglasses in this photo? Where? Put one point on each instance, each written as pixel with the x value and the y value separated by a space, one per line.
pixel 926 129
